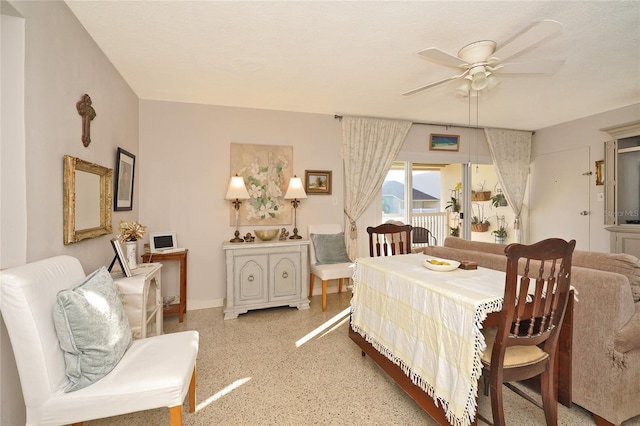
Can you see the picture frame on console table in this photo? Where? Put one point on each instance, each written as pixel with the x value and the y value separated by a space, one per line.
pixel 120 257
pixel 317 182
pixel 125 170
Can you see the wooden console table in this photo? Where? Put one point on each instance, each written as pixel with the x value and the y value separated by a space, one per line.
pixel 179 308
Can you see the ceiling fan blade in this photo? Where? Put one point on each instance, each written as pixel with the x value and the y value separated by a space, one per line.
pixel 527 39
pixel 437 55
pixel 437 83
pixel 538 67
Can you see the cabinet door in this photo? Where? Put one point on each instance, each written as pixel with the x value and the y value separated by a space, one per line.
pixel 250 279
pixel 627 242
pixel 284 275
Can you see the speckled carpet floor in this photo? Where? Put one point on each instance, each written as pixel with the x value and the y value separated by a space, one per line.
pixel 265 368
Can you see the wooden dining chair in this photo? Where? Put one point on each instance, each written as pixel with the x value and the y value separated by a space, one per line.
pixel 389 239
pixel 523 344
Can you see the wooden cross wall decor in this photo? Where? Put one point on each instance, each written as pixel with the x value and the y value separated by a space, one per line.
pixel 88 113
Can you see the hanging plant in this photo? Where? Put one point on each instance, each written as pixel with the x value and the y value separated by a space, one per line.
pixel 499 200
pixel 479 222
pixel 480 195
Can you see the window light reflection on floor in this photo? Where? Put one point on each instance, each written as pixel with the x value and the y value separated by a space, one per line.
pixel 222 392
pixel 334 323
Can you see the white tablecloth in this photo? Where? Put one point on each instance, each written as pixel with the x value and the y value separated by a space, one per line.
pixel 428 323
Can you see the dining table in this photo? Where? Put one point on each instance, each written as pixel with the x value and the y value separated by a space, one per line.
pixel 424 328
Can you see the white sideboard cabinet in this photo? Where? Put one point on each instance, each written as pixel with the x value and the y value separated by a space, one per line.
pixel 265 274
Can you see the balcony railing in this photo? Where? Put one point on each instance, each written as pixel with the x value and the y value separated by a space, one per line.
pixel 437 223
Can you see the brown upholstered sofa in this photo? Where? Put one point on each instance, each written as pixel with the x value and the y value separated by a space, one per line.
pixel 606 334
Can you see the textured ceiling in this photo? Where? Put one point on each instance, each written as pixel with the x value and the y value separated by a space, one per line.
pixel 358 57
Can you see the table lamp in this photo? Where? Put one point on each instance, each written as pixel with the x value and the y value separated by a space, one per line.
pixel 237 191
pixel 295 193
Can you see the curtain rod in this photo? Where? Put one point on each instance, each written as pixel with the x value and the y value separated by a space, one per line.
pixel 447 126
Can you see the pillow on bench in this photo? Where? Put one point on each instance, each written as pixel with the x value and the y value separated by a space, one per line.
pixel 92 328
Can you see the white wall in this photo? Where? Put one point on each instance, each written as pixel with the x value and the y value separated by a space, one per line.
pixel 580 133
pixel 13 179
pixel 186 171
pixel 13 203
pixel 61 64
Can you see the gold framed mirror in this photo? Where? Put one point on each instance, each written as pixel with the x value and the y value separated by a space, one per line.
pixel 87 200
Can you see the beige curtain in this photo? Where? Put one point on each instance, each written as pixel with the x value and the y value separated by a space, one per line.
pixel 369 146
pixel 511 154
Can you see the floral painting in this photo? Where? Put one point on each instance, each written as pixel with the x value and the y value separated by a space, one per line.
pixel 266 170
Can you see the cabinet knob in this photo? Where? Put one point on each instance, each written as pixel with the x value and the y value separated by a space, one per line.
pixel 285 274
pixel 250 278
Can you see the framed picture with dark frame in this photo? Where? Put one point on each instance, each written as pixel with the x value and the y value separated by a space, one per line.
pixel 444 142
pixel 120 257
pixel 125 170
pixel 317 182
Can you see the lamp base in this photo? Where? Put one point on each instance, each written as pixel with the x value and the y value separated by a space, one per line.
pixel 295 235
pixel 237 238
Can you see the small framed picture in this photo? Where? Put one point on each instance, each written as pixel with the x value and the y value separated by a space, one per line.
pixel 600 172
pixel 120 257
pixel 444 142
pixel 317 182
pixel 125 169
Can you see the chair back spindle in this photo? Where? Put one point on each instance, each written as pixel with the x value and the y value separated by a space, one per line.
pixel 389 239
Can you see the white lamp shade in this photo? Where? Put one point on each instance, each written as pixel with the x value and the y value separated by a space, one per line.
pixel 237 189
pixel 295 190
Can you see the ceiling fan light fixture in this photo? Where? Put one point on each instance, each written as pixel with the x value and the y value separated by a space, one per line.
pixel 478 77
pixel 464 87
pixel 492 81
pixel 479 81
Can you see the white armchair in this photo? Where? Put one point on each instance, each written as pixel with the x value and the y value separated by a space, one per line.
pixel 327 272
pixel 155 372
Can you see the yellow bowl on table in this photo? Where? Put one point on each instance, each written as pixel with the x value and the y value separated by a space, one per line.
pixel 266 234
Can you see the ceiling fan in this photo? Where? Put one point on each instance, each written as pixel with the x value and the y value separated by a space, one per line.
pixel 480 61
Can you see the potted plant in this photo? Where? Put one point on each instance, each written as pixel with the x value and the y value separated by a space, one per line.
pixel 480 195
pixel 499 200
pixel 454 231
pixel 454 203
pixel 479 222
pixel 130 233
pixel 500 234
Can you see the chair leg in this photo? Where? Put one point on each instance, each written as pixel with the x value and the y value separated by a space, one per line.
pixel 340 285
pixel 311 285
pixel 324 295
pixel 497 407
pixel 549 398
pixel 192 391
pixel 175 415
